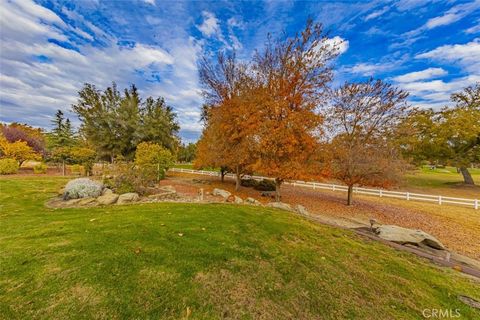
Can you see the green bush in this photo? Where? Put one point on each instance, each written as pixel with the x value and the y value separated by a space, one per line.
pixel 8 166
pixel 265 185
pixel 124 177
pixel 249 183
pixel 40 168
pixel 152 161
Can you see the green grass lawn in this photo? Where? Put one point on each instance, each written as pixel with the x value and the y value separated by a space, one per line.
pixel 234 262
pixel 440 178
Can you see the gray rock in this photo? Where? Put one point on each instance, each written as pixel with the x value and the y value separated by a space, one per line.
pixel 71 202
pixel 237 200
pixel 408 236
pixel 106 191
pixel 302 210
pixel 253 201
pixel 86 202
pixel 127 198
pixel 220 192
pixel 280 205
pixel 109 198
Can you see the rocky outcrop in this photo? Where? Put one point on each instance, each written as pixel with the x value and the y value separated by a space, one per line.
pixel 84 202
pixel 127 198
pixel 408 236
pixel 222 193
pixel 252 201
pixel 302 210
pixel 107 191
pixel 237 200
pixel 280 205
pixel 108 198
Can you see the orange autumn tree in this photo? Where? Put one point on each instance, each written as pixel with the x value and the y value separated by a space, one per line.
pixel 227 138
pixel 362 119
pixel 292 79
pixel 210 150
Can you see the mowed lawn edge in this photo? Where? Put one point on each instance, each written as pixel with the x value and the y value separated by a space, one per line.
pixel 172 261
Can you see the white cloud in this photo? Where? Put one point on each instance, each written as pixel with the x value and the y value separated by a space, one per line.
pixel 421 75
pixel 210 25
pixel 474 29
pixel 152 2
pixel 436 93
pixel 465 55
pixel 31 89
pixel 341 44
pixel 454 14
pixel 376 13
pixel 369 69
pixel 446 19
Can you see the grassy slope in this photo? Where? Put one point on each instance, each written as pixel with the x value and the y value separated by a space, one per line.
pixel 129 261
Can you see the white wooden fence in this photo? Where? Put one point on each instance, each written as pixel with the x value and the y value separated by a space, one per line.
pixel 408 196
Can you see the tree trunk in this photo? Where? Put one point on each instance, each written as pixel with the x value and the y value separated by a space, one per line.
pixel 349 196
pixel 278 184
pixel 467 177
pixel 222 175
pixel 63 167
pixel 238 181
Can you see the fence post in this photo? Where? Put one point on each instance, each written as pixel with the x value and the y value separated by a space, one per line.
pixel 476 204
pixel 439 200
pixel 381 193
pixel 333 187
pixel 408 195
pixel 314 186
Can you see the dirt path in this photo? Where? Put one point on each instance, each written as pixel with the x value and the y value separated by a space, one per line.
pixel 458 228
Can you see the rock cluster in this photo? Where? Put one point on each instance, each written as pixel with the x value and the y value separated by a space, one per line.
pixel 408 236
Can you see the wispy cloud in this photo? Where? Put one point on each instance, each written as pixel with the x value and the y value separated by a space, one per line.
pixel 376 13
pixel 465 55
pixel 421 75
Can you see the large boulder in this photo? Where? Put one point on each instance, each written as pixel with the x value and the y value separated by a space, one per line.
pixel 280 205
pixel 237 199
pixel 108 198
pixel 127 198
pixel 107 191
pixel 301 210
pixel 253 201
pixel 408 236
pixel 220 192
pixel 84 202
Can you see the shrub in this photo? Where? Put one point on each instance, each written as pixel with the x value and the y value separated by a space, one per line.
pixel 40 168
pixel 82 188
pixel 8 166
pixel 152 161
pixel 265 185
pixel 124 177
pixel 249 183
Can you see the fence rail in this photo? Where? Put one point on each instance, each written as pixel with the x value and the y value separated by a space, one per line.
pixel 408 196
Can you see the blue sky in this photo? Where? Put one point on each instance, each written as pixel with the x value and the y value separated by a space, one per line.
pixel 50 48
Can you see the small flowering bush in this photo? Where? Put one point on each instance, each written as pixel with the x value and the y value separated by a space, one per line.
pixel 82 188
pixel 8 166
pixel 40 168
